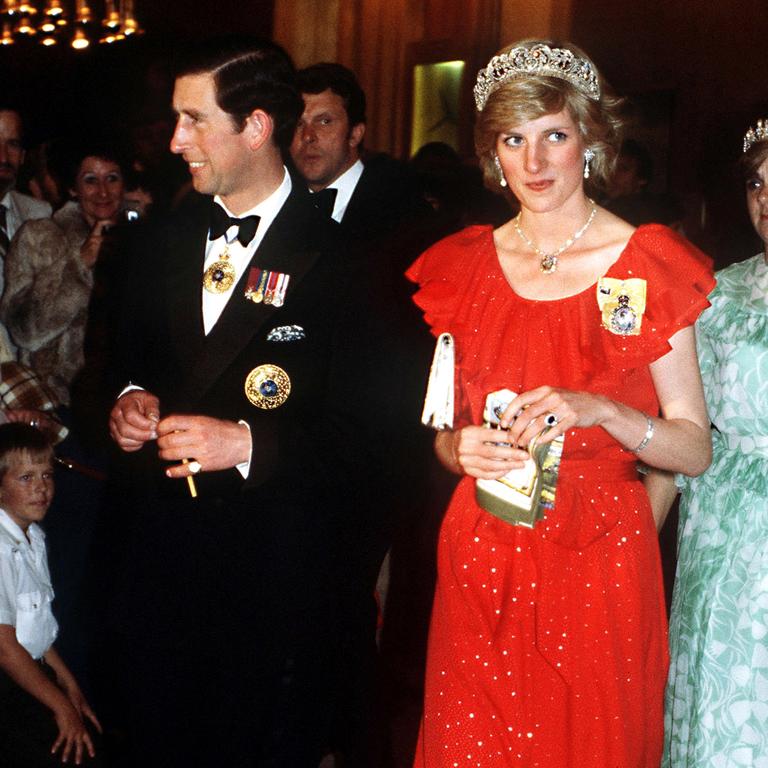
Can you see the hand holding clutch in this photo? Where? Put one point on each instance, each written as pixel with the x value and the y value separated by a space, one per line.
pixel 522 495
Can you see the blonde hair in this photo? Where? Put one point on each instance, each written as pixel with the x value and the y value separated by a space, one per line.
pixel 530 97
pixel 20 439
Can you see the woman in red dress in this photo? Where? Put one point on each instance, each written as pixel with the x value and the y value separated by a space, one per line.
pixel 548 645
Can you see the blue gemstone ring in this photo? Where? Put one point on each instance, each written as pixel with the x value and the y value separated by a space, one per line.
pixel 551 420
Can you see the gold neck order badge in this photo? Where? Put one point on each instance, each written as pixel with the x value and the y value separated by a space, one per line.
pixel 220 276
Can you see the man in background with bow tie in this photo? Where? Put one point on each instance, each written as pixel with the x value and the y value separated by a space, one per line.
pixel 326 146
pixel 261 394
pixel 373 197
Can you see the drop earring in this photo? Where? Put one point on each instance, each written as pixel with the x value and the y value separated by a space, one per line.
pixel 589 156
pixel 502 180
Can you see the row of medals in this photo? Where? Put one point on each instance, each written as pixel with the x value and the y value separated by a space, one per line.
pixel 263 285
pixel 268 385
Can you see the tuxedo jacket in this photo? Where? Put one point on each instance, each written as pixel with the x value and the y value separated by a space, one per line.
pixel 386 210
pixel 274 549
pixel 386 225
pixel 251 591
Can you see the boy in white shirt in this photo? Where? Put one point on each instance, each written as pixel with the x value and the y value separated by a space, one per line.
pixel 44 709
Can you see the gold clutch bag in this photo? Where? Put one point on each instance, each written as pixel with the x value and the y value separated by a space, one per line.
pixel 522 496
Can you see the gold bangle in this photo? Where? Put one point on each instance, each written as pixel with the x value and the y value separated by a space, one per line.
pixel 646 438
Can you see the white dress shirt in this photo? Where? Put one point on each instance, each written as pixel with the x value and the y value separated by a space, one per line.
pixel 25 586
pixel 239 256
pixel 13 219
pixel 345 188
pixel 21 208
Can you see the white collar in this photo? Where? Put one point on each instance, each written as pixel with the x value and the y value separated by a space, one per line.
pixel 268 208
pixel 10 527
pixel 345 186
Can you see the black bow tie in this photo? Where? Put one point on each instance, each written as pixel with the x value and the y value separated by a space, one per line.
pixel 324 201
pixel 220 223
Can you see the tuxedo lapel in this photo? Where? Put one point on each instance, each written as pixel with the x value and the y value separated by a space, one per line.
pixel 283 249
pixel 369 212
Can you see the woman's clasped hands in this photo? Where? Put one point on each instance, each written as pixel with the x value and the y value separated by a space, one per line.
pixel 542 413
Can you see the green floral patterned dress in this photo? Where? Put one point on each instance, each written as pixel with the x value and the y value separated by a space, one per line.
pixel 717 695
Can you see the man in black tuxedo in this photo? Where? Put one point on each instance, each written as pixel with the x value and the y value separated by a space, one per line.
pixel 373 198
pixel 385 223
pixel 261 374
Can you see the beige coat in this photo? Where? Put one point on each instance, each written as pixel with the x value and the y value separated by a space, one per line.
pixel 45 301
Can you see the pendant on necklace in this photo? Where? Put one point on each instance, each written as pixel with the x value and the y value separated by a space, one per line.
pixel 548 263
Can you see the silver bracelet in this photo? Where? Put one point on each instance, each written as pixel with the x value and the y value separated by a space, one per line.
pixel 646 438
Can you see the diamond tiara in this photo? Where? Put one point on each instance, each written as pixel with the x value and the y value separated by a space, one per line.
pixel 539 59
pixel 758 133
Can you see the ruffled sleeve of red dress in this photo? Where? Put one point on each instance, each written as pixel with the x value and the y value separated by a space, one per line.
pixel 448 273
pixel 444 274
pixel 678 279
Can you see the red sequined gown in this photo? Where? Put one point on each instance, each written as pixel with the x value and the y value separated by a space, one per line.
pixel 548 647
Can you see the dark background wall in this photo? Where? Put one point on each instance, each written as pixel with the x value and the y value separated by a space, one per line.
pixel 693 67
pixel 699 62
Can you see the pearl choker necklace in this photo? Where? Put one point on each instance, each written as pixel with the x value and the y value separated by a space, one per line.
pixel 548 263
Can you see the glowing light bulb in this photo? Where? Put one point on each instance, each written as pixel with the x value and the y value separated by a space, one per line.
pixel 80 40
